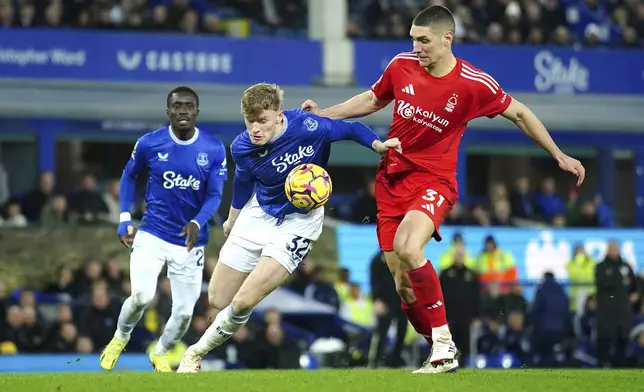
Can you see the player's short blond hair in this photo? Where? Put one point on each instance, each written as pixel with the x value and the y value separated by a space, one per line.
pixel 260 97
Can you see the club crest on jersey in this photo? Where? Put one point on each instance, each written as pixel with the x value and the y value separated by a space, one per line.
pixel 202 159
pixel 451 103
pixel 311 124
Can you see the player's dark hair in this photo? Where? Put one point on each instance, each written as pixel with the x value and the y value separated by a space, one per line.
pixel 182 90
pixel 435 15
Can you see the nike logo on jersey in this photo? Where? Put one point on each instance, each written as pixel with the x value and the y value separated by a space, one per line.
pixel 409 89
pixel 263 154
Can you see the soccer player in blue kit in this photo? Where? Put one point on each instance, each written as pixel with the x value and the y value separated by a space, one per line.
pixel 187 171
pixel 268 237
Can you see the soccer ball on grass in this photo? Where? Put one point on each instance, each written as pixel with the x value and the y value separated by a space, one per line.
pixel 308 186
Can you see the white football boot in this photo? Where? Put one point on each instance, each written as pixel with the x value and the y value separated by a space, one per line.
pixel 189 362
pixel 442 359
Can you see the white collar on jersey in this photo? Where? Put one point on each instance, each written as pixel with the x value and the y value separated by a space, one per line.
pixel 183 142
pixel 283 130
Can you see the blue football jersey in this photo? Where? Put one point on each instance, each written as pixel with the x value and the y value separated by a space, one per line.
pixel 185 182
pixel 306 138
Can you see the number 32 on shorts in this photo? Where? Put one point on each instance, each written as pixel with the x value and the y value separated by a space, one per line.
pixel 433 200
pixel 299 247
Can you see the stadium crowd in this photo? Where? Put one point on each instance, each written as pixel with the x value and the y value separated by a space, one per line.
pixel 591 23
pixel 77 311
pixel 521 206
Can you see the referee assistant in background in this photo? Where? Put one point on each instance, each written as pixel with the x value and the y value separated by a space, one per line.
pixel 387 310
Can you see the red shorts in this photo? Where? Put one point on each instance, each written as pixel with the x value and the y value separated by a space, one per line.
pixel 399 194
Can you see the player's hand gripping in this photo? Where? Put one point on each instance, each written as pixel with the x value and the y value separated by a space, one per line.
pixel 227 226
pixel 191 231
pixel 310 106
pixel 382 147
pixel 573 166
pixel 126 232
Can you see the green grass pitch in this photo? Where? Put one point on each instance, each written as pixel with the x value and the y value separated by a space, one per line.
pixel 331 381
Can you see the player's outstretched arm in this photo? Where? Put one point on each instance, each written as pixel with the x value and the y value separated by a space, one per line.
pixel 134 166
pixel 530 124
pixel 358 132
pixel 360 105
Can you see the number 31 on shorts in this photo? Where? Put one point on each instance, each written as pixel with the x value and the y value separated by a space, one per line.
pixel 433 199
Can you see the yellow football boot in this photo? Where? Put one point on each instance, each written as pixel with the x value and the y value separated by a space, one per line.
pixel 160 363
pixel 111 353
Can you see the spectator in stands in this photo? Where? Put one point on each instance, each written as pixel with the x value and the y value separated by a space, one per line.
pixel 490 341
pixel 99 319
pixel 561 36
pixel 616 293
pixel 585 328
pixel 65 339
pixel 501 214
pixel 276 352
pixel 548 203
pixel 496 265
pixel 55 214
pixel 587 216
pixel 111 200
pixel 581 275
pixel 498 192
pixel 492 303
pixel 303 276
pixel 516 339
pixel 33 329
pixel 514 301
pixel 114 277
pixel 87 203
pixel 521 201
pixel 549 316
pixel 321 288
pixel 84 345
pixel 64 283
pixel 480 216
pixel 6 13
pixel 14 217
pixel 456 216
pixel 447 258
pixel 461 291
pixel 159 20
pixel 13 331
pixel 86 277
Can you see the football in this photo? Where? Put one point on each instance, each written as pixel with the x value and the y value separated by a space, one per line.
pixel 308 186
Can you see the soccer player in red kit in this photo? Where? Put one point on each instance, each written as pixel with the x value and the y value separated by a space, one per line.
pixel 435 95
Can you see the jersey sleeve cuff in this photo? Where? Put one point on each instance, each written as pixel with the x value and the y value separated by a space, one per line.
pixel 125 217
pixel 196 223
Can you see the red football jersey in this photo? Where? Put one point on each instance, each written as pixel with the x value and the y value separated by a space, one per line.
pixel 430 114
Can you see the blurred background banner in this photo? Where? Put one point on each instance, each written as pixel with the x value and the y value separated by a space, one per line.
pixel 534 251
pixel 525 69
pixel 98 56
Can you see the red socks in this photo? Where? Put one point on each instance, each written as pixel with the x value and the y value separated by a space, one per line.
pixel 417 316
pixel 429 295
